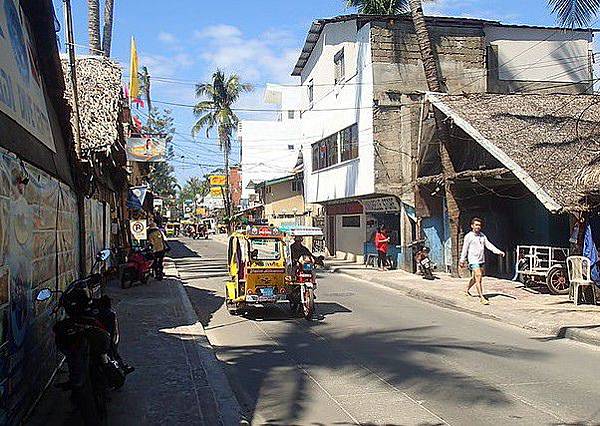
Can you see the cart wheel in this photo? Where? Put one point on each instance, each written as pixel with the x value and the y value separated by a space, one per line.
pixel 232 307
pixel 557 281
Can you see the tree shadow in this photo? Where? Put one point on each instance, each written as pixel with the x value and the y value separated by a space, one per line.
pixel 180 250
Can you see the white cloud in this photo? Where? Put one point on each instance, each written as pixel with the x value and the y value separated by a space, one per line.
pixel 222 31
pixel 166 37
pixel 469 9
pixel 268 57
pixel 166 66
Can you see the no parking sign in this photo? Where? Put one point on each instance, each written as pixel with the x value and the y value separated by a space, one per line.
pixel 139 229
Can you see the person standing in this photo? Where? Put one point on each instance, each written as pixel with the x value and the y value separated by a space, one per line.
pixel 381 245
pixel 159 248
pixel 473 252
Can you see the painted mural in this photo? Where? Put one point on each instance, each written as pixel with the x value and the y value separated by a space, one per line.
pixel 38 248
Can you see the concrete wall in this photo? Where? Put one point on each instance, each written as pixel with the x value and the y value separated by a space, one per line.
pixel 337 107
pixel 538 60
pixel 282 200
pixel 397 63
pixel 269 150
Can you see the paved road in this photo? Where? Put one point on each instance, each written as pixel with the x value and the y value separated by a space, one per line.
pixel 377 357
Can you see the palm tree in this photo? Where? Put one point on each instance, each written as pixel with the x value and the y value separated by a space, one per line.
pixel 574 13
pixel 94 27
pixel 378 7
pixel 109 9
pixel 216 112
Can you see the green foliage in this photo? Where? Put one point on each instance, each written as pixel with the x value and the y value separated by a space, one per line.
pixel 214 108
pixel 161 177
pixel 574 13
pixel 379 7
pixel 193 187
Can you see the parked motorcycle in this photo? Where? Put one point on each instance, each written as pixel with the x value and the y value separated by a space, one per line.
pixel 139 267
pixel 88 335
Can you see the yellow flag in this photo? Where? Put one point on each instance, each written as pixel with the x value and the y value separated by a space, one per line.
pixel 134 81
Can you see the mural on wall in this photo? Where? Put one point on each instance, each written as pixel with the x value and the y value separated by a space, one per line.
pixel 38 248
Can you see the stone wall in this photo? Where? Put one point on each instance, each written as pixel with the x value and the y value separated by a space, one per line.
pixel 397 61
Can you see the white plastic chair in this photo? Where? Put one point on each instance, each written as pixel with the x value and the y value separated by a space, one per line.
pixel 579 269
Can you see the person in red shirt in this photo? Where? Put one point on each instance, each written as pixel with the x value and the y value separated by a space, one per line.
pixel 381 245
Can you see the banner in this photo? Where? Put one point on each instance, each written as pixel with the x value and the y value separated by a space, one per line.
pixel 21 93
pixel 146 149
pixel 217 180
pixel 136 197
pixel 134 81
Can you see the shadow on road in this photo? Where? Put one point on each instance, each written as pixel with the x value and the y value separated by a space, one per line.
pixel 180 250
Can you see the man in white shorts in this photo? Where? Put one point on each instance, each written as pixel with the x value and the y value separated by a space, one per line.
pixel 473 251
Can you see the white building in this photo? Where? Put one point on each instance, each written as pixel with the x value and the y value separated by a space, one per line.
pixel 361 86
pixel 270 148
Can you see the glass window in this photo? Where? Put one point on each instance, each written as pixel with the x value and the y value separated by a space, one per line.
pixel 315 156
pixel 331 144
pixel 338 62
pixel 349 142
pixel 291 114
pixel 311 93
pixel 265 249
pixel 350 221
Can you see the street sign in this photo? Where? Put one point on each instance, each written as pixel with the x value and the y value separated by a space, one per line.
pixel 216 191
pixel 139 229
pixel 217 180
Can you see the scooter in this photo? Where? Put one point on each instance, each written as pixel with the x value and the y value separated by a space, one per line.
pixel 138 267
pixel 88 336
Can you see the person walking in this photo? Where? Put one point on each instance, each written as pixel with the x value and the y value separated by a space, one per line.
pixel 381 245
pixel 473 252
pixel 159 248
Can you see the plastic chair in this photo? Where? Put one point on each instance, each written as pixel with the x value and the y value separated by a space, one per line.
pixel 579 270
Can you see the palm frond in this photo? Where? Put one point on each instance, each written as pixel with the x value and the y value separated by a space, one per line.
pixel 202 107
pixel 379 7
pixel 574 13
pixel 205 122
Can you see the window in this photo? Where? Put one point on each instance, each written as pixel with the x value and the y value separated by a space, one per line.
pixel 349 142
pixel 290 147
pixel 350 221
pixel 331 145
pixel 296 186
pixel 311 93
pixel 338 63
pixel 291 114
pixel 325 152
pixel 265 249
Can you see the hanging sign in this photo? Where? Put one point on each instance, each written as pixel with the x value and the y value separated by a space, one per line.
pixel 21 93
pixel 139 230
pixel 217 180
pixel 216 191
pixel 381 205
pixel 146 149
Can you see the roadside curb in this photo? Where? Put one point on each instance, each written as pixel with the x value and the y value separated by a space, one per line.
pixel 230 411
pixel 575 333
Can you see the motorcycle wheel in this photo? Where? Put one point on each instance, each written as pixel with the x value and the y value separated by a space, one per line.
pixel 309 303
pixel 126 280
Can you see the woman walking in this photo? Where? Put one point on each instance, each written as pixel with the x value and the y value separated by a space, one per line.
pixel 381 245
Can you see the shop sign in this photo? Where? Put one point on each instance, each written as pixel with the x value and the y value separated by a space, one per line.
pixel 217 180
pixel 157 202
pixel 216 191
pixel 146 149
pixel 139 229
pixel 21 93
pixel 381 205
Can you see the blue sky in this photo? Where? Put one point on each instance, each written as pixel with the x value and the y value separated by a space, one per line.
pixel 183 41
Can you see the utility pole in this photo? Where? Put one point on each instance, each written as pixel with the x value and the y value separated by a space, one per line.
pixel 76 134
pixel 72 74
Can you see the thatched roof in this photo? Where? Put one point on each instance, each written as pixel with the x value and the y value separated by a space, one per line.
pixel 99 91
pixel 550 142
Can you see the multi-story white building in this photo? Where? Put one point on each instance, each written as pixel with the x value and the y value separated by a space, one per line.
pixel 270 148
pixel 360 108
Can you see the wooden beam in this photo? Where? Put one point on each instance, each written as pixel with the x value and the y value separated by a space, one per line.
pixel 465 174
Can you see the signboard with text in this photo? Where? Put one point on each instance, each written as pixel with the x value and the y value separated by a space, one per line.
pixel 217 180
pixel 381 205
pixel 216 191
pixel 138 229
pixel 21 90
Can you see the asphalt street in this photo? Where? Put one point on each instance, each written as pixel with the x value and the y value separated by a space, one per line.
pixel 374 356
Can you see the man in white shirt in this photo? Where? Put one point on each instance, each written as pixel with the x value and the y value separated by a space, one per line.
pixel 473 252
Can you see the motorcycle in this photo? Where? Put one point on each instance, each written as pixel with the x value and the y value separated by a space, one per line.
pixel 303 299
pixel 88 335
pixel 140 265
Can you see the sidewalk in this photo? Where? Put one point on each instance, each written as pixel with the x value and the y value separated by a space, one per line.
pixel 178 379
pixel 510 302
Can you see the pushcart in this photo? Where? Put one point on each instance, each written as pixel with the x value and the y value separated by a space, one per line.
pixel 543 265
